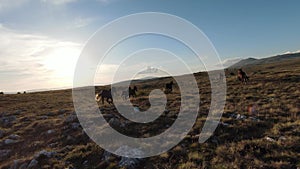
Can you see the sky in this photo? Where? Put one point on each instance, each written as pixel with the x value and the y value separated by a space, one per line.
pixel 41 40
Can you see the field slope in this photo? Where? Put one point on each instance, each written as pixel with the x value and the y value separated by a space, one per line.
pixel 260 127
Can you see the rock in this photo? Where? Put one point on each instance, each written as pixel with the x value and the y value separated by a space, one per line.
pixel 14 137
pixel 114 122
pixel 7 121
pixel 45 153
pixel 51 145
pixel 43 117
pixel 71 118
pixel 62 111
pixel 18 112
pixel 254 119
pixel 108 116
pixel 15 164
pixel 75 126
pixel 2 114
pixel 70 139
pixel 10 141
pixel 85 163
pixel 224 124
pixel 232 115
pixel 281 138
pixel 23 166
pixel 33 163
pixel 106 156
pixel 61 116
pixel 4 153
pixel 136 109
pixel 129 162
pixel 1 134
pixel 166 111
pixel 50 131
pixel 240 117
pixel 269 139
pixel 215 140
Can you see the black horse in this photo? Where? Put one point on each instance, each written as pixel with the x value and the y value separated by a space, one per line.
pixel 169 87
pixel 104 94
pixel 130 93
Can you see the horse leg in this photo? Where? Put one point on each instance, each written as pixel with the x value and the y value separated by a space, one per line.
pixel 102 98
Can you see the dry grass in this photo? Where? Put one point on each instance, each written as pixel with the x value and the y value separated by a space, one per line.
pixel 273 89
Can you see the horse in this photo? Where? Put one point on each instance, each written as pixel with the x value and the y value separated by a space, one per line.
pixel 104 94
pixel 242 76
pixel 130 93
pixel 169 87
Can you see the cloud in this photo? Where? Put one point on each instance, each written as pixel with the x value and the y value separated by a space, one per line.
pixel 58 2
pixel 9 4
pixel 33 61
pixel 82 22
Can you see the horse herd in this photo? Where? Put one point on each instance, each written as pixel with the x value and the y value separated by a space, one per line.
pixel 126 94
pixel 131 92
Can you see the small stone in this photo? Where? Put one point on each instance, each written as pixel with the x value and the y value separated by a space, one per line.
pixel 108 116
pixel 85 162
pixel 136 109
pixel 282 138
pixel 4 153
pixel 71 118
pixel 126 161
pixel 224 124
pixel 14 137
pixel 166 111
pixel 70 139
pixel 240 117
pixel 106 156
pixel 7 121
pixel 10 141
pixel 52 145
pixel 50 131
pixel 18 112
pixel 43 117
pixel 75 125
pixel 33 163
pixel 23 166
pixel 15 165
pixel 114 122
pixel 1 133
pixel 61 116
pixel 269 139
pixel 45 153
pixel 62 111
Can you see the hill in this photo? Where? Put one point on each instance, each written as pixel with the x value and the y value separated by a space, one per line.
pixel 252 61
pixel 260 126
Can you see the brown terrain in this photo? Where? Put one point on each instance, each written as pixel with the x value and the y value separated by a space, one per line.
pixel 260 126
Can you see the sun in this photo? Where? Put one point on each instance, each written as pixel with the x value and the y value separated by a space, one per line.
pixel 60 63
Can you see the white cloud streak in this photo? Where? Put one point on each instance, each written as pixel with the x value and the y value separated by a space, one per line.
pixel 58 2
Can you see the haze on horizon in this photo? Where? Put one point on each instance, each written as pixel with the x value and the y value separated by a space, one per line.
pixel 40 41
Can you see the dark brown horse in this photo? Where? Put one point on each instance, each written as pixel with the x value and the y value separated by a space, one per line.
pixel 130 93
pixel 169 87
pixel 104 94
pixel 242 76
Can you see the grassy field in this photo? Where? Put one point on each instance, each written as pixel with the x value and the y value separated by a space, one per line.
pixel 260 127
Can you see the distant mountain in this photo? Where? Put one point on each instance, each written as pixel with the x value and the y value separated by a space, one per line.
pixel 254 61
